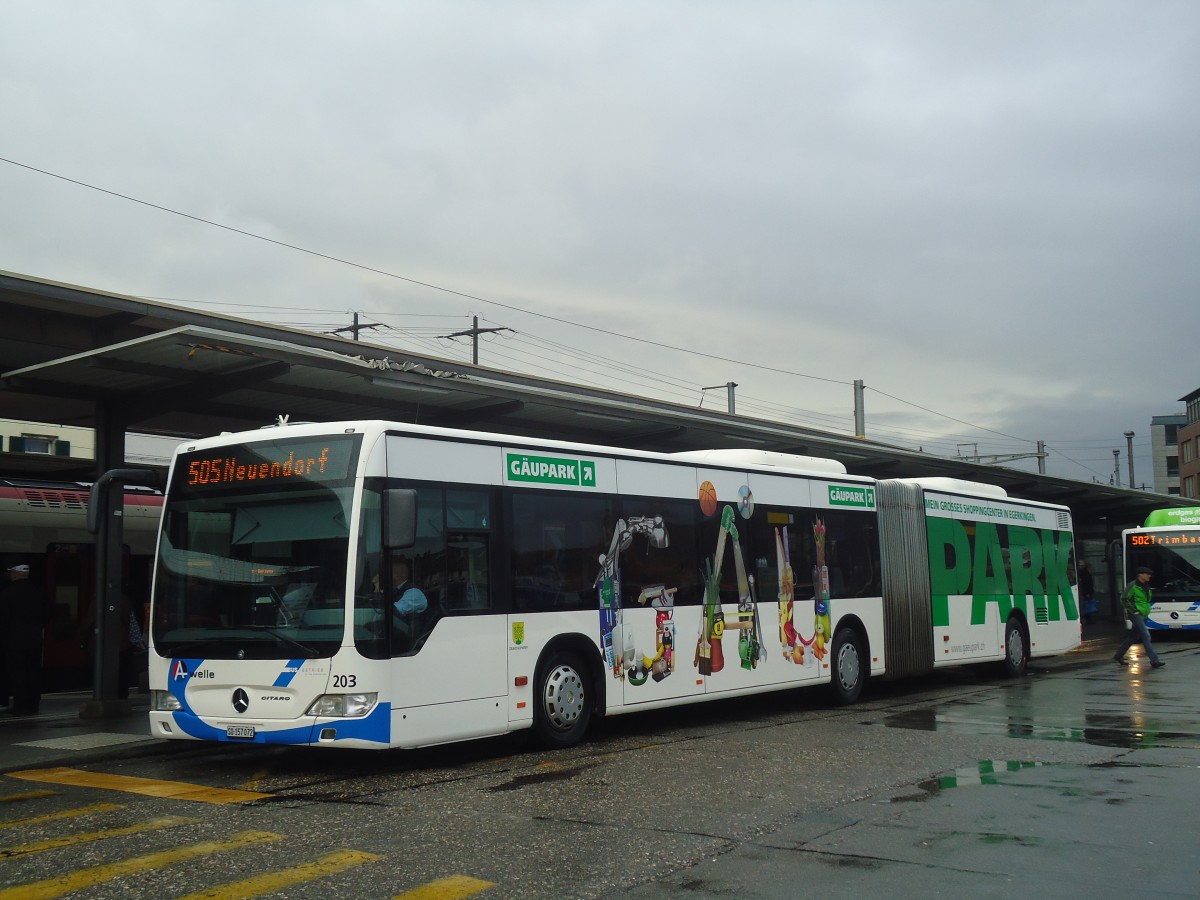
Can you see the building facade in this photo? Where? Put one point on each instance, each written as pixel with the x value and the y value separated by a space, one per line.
pixel 43 439
pixel 69 442
pixel 1189 447
pixel 1164 450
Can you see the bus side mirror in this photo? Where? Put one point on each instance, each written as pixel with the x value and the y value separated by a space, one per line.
pixel 400 518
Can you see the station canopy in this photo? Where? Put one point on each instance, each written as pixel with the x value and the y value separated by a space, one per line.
pixel 67 353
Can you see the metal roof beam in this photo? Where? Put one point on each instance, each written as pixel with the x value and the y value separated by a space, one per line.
pixel 27 385
pixel 175 397
pixel 461 417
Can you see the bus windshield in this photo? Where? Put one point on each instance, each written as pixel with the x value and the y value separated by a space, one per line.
pixel 1174 558
pixel 254 567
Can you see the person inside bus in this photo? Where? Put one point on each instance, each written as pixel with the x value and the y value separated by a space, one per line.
pixel 410 599
pixel 409 605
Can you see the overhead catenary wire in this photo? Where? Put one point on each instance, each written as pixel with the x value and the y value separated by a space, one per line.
pixel 414 281
pixel 305 323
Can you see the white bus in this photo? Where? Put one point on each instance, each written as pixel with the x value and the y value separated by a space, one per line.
pixel 563 582
pixel 1169 545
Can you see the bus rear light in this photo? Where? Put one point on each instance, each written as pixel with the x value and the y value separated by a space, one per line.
pixel 343 706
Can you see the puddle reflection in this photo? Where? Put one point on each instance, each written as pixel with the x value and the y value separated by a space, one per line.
pixel 986 771
pixel 1124 732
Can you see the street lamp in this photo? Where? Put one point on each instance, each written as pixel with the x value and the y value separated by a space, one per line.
pixel 1116 467
pixel 1129 453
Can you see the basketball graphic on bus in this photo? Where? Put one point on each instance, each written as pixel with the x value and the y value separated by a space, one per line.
pixel 708 498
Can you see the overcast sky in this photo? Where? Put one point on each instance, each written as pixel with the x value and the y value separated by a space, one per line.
pixel 987 211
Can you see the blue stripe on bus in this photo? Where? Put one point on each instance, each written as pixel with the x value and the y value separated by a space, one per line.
pixel 190 724
pixel 376 727
pixel 179 675
pixel 290 671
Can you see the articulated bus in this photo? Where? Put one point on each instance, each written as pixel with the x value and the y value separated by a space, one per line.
pixel 1168 544
pixel 556 583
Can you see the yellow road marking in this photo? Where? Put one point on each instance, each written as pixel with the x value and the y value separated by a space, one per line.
pixel 270 882
pixel 27 795
pixel 65 814
pixel 89 836
pixel 85 878
pixel 451 888
pixel 257 778
pixel 151 787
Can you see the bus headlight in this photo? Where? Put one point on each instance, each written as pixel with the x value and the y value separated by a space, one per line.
pixel 343 706
pixel 164 701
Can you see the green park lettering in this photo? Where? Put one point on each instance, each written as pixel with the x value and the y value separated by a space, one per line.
pixel 862 496
pixel 551 470
pixel 1027 565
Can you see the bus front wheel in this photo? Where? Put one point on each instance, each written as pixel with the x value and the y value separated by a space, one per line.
pixel 563 708
pixel 1016 649
pixel 847 661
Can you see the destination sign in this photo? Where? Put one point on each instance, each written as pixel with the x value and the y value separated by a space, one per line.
pixel 1165 539
pixel 268 463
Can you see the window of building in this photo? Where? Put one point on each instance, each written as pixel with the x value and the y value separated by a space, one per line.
pixel 33 443
pixel 41 444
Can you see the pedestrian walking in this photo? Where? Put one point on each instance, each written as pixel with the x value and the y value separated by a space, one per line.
pixel 1136 601
pixel 1087 592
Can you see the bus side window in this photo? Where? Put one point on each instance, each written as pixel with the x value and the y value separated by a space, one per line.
pixel 467 579
pixel 557 540
pixel 468 538
pixel 370 616
pixel 662 551
pixel 414 606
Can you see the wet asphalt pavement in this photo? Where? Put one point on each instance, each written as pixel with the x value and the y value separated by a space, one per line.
pixel 1079 779
pixel 1093 793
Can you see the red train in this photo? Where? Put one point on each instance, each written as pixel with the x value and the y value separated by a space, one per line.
pixel 44 524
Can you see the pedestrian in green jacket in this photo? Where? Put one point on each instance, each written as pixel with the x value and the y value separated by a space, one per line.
pixel 1136 601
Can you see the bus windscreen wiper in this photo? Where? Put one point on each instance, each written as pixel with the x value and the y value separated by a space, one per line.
pixel 309 652
pixel 187 648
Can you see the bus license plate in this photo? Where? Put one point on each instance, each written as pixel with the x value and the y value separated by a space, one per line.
pixel 239 731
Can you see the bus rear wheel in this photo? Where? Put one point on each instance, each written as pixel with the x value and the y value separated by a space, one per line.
pixel 846 660
pixel 1016 649
pixel 564 706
